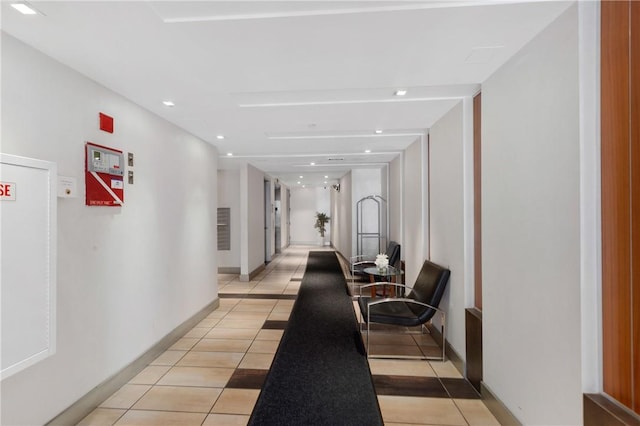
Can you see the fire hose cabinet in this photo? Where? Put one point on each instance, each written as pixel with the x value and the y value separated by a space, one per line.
pixel 104 176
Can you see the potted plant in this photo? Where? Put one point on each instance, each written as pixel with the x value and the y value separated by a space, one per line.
pixel 321 221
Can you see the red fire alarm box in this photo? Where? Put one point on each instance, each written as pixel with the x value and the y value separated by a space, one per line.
pixel 106 122
pixel 104 176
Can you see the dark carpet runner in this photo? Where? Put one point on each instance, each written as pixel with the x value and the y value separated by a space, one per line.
pixel 320 374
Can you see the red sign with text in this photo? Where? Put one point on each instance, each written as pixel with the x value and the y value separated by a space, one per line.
pixel 7 191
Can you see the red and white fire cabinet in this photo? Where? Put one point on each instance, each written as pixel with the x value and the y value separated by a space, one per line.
pixel 104 175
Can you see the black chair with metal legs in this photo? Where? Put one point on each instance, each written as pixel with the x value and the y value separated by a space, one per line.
pixel 416 309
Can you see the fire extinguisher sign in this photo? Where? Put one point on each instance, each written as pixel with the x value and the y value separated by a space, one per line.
pixel 104 175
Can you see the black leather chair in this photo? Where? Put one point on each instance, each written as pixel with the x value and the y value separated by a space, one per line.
pixel 359 263
pixel 416 309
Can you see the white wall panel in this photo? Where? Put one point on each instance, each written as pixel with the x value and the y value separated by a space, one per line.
pixel 252 220
pixel 447 220
pixel 342 236
pixel 395 198
pixel 531 229
pixel 285 216
pixel 414 214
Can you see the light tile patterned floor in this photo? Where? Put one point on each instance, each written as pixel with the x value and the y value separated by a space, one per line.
pixel 213 374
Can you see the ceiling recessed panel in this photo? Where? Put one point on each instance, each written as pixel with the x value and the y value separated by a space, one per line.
pixel 351 96
pixel 199 11
pixel 349 117
pixel 335 147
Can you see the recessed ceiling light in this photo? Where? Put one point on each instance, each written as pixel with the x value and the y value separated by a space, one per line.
pixel 220 137
pixel 326 177
pixel 400 92
pixel 378 132
pixel 301 177
pixel 168 103
pixel 304 186
pixel 367 151
pixel 325 181
pixel 299 182
pixel 312 164
pixel 24 8
pixel 229 154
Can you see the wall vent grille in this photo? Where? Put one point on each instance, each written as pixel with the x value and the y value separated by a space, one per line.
pixel 224 228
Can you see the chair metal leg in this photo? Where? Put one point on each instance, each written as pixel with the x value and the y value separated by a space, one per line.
pixel 368 327
pixel 444 340
pixel 353 286
pixel 422 357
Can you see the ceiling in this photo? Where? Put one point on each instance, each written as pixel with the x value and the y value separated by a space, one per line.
pixel 289 83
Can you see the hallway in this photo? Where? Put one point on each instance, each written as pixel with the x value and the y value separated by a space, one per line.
pixel 213 374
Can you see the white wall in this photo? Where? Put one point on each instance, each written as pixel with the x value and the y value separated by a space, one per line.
pixel 252 220
pixel 384 192
pixel 127 275
pixel 531 229
pixel 305 202
pixel 271 215
pixel 395 198
pixel 364 183
pixel 446 217
pixel 341 219
pixel 415 232
pixel 285 215
pixel 591 258
pixel 229 196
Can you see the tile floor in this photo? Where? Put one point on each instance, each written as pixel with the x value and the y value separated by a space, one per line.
pixel 213 375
